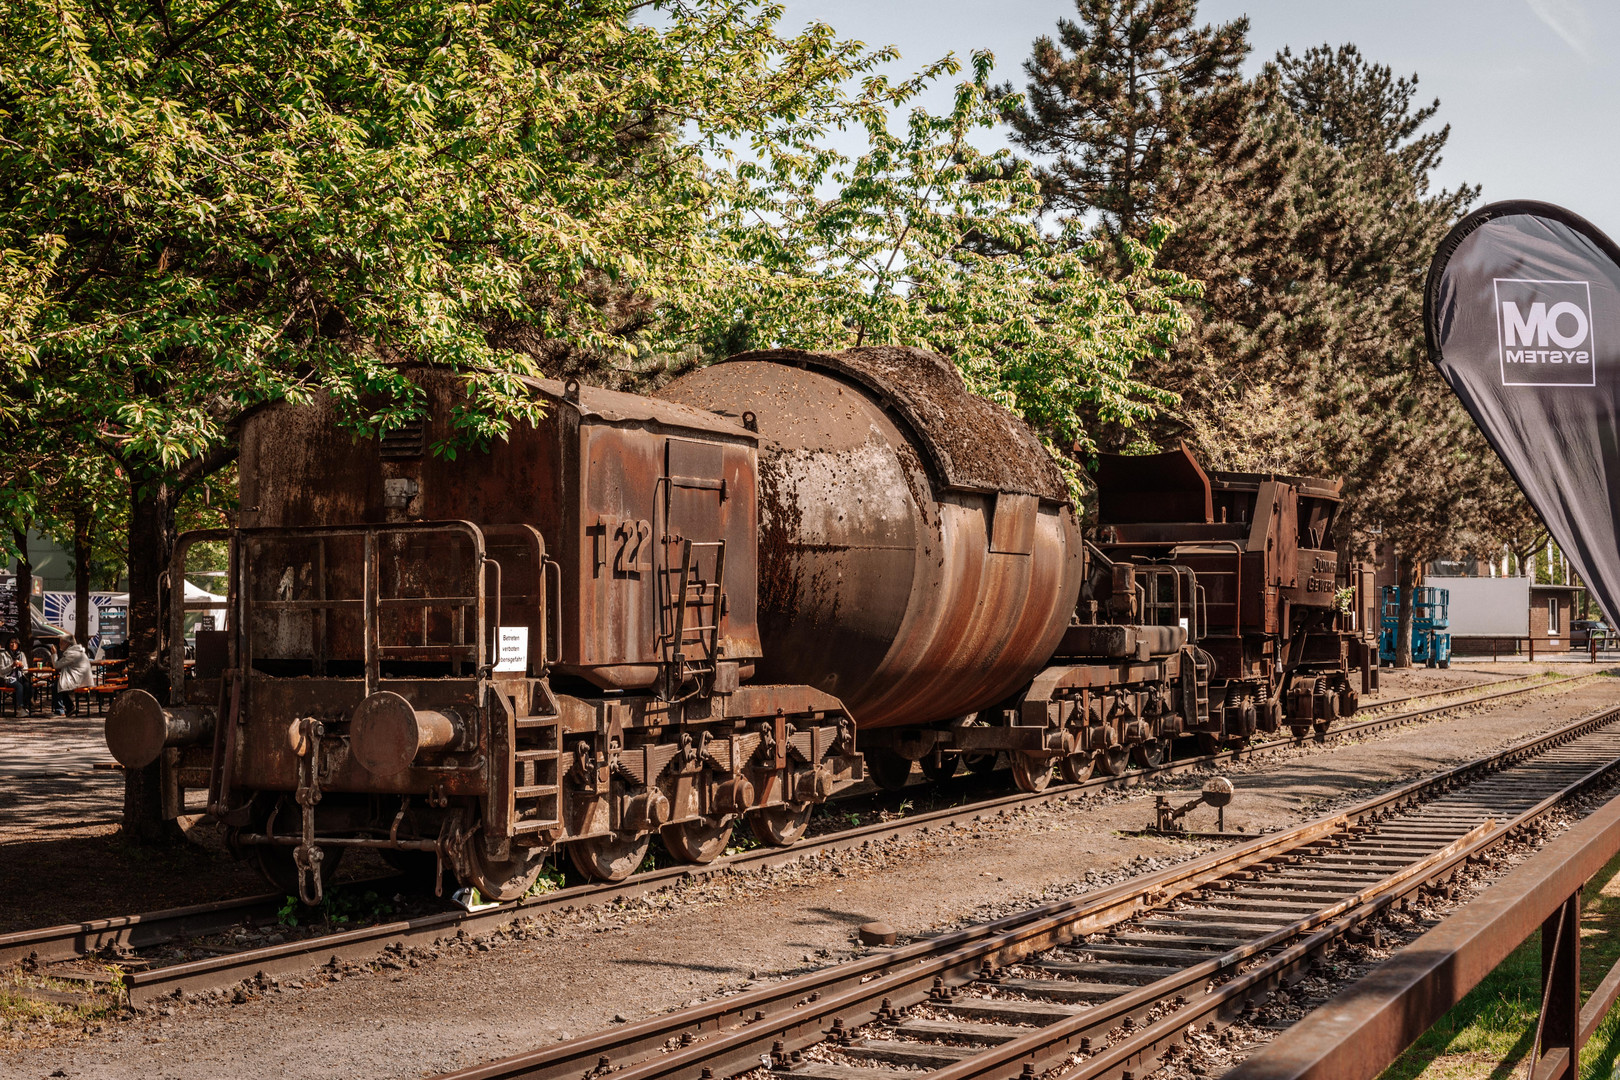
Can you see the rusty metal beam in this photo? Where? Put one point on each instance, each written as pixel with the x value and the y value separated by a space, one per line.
pixel 1600 1002
pixel 1365 1028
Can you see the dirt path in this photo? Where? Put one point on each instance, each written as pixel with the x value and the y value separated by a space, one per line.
pixel 569 973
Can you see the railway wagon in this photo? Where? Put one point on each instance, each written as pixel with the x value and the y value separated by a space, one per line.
pixel 466 662
pixel 665 615
pixel 1274 613
pixel 919 554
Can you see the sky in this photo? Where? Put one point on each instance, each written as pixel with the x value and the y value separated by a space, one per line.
pixel 1531 88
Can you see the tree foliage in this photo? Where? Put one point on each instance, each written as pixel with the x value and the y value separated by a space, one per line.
pixel 925 240
pixel 223 202
pixel 1305 207
pixel 1122 100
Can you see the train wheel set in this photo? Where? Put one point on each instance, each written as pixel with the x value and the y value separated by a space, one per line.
pixel 669 616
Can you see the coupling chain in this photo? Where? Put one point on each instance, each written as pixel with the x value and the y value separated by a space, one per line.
pixel 307 856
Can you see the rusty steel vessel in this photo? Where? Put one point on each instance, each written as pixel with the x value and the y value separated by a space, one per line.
pixel 920 558
pixel 662 616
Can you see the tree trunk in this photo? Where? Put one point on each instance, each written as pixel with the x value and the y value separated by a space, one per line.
pixel 1405 580
pixel 152 506
pixel 24 584
pixel 81 576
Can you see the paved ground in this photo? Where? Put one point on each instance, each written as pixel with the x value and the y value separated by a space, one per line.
pixel 569 973
pixel 48 779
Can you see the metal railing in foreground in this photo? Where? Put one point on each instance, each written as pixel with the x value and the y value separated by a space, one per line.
pixel 1359 1033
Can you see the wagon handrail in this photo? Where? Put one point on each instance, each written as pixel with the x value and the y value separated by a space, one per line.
pixel 175 590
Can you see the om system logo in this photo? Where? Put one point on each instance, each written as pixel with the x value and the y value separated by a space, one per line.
pixel 1544 329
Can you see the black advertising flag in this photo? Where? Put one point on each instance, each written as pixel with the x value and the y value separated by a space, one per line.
pixel 1522 314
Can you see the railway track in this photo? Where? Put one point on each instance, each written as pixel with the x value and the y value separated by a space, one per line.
pixel 1384 704
pixel 63 950
pixel 1114 983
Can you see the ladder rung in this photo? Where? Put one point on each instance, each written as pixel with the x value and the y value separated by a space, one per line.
pixel 534 755
pixel 537 721
pixel 534 792
pixel 533 825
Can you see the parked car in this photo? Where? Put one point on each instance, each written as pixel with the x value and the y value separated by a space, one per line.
pixel 1582 632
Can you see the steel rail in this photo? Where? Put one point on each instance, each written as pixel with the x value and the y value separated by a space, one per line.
pixel 1358 1033
pixel 770 1024
pixel 1383 703
pixel 71 941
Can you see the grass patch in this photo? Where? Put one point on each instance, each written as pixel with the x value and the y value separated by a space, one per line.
pixel 1488 1034
pixel 26 1006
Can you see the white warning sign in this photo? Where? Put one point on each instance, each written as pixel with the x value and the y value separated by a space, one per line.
pixel 513 654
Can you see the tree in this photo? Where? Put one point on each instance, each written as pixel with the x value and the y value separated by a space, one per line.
pixel 1304 206
pixel 1122 101
pixel 207 205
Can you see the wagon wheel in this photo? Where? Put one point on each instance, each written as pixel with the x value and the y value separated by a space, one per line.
pixel 1076 768
pixel 609 858
pixel 1031 772
pixel 1112 760
pixel 1208 742
pixel 981 764
pixel 503 879
pixel 700 840
pixel 887 768
pixel 1330 707
pixel 1300 731
pixel 780 826
pixel 276 863
pixel 939 767
pixel 1149 754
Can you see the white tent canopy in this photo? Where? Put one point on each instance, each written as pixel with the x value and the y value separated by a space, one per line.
pixel 195 594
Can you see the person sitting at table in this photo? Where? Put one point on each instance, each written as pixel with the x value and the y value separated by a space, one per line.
pixel 8 671
pixel 14 673
pixel 72 673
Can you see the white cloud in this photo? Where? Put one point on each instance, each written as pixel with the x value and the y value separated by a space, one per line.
pixel 1567 19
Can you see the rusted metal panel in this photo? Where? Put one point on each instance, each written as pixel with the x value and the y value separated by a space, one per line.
pixel 1013 524
pixel 1315 578
pixel 1147 488
pixel 880 578
pixel 970 444
pixel 616 619
pixel 590 477
pixel 267 749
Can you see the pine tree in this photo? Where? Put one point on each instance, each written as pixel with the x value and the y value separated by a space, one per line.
pixel 1118 103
